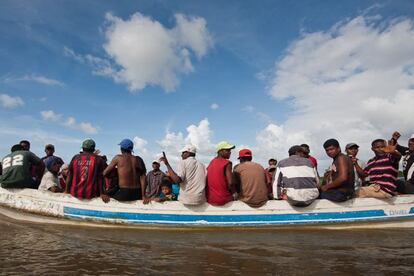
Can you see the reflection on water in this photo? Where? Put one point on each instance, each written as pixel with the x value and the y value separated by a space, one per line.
pixel 55 249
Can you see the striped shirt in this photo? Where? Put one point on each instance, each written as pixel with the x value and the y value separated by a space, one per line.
pixel 383 170
pixel 297 176
pixel 86 179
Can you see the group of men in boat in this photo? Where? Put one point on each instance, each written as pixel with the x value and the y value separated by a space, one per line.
pixel 294 179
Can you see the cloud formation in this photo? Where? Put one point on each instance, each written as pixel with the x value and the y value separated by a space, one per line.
pixel 69 122
pixel 197 135
pixel 147 53
pixel 37 78
pixel 214 106
pixel 8 101
pixel 354 82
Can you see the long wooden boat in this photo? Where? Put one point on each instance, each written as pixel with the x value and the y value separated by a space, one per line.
pixel 397 211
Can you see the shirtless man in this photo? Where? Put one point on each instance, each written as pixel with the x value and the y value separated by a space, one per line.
pixel 338 184
pixel 131 173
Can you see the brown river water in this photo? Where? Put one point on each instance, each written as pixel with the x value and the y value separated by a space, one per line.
pixel 50 249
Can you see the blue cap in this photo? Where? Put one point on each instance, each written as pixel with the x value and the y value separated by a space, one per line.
pixel 126 144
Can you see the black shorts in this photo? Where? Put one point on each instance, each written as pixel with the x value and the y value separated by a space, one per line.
pixel 126 194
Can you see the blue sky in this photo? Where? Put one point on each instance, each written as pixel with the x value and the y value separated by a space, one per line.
pixel 260 74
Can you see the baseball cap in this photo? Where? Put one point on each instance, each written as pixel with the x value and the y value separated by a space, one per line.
pixel 224 145
pixel 412 137
pixel 155 161
pixel 350 145
pixel 245 153
pixel 126 144
pixel 88 144
pixel 189 148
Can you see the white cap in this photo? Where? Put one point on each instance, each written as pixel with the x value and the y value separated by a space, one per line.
pixel 189 148
pixel 412 137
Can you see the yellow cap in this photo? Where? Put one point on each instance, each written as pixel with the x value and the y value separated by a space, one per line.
pixel 224 145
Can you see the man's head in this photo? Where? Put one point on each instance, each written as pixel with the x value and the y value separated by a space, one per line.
pixel 332 147
pixel 16 147
pixel 155 165
pixel 378 146
pixel 188 151
pixel 224 149
pixel 53 164
pixel 411 143
pixel 25 145
pixel 297 150
pixel 49 149
pixel 352 149
pixel 88 145
pixel 245 155
pixel 126 145
pixel 272 162
pixel 306 150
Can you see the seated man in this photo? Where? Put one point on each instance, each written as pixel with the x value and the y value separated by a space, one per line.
pixel 382 171
pixel 220 190
pixel 85 179
pixel 50 150
pixel 153 180
pixel 250 180
pixel 296 178
pixel 352 151
pixel 339 180
pixel 50 181
pixel 407 161
pixel 131 173
pixel 190 175
pixel 36 171
pixel 17 168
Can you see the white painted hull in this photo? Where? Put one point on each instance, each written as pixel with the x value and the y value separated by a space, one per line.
pixel 398 211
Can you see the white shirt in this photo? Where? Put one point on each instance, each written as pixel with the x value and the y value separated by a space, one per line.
pixel 48 181
pixel 193 176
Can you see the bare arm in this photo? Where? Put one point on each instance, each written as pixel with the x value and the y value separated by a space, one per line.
pixel 342 175
pixel 228 173
pixel 175 178
pixel 68 182
pixel 111 166
pixel 360 171
pixel 143 183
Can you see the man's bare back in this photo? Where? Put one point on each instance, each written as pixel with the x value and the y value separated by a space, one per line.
pixel 129 169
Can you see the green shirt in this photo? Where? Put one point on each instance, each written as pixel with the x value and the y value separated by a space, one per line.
pixel 17 169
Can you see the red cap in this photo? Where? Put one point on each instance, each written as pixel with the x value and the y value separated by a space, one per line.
pixel 244 153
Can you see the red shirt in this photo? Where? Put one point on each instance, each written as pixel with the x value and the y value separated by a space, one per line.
pixel 313 160
pixel 217 191
pixel 86 179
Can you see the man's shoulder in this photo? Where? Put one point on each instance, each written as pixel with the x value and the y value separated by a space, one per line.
pixel 295 161
pixel 256 165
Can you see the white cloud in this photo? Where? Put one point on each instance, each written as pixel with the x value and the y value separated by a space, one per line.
pixel 69 122
pixel 354 82
pixel 10 101
pixel 50 115
pixel 197 135
pixel 140 143
pixel 37 78
pixel 147 53
pixel 214 106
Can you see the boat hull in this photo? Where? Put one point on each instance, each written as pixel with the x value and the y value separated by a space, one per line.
pixel 397 210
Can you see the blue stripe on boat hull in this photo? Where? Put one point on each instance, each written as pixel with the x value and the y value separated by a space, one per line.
pixel 300 218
